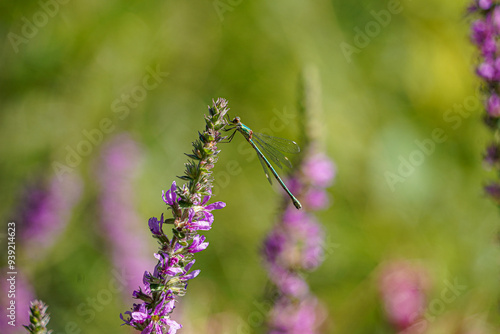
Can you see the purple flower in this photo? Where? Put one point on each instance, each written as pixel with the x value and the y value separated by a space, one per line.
pixel 483 34
pixel 489 47
pixel 274 245
pixel 320 170
pixel 157 320
pixel 165 267
pixel 492 155
pixel 301 317
pixel 312 253
pixel 185 276
pixel 289 282
pixel 205 209
pixel 402 286
pixel 493 106
pixel 155 225
pixel 198 244
pixel 294 185
pixel 317 199
pixel 485 4
pixel 495 18
pixel 294 217
pixel 303 246
pixel 479 32
pixel 170 197
pixel 486 70
pixel 195 222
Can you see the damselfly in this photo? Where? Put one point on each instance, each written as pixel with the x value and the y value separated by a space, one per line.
pixel 272 147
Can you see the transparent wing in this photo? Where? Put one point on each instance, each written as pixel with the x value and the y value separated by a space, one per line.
pixel 266 170
pixel 272 153
pixel 281 144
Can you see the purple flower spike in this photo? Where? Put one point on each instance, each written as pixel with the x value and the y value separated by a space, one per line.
pixel 485 34
pixel 191 213
pixel 295 245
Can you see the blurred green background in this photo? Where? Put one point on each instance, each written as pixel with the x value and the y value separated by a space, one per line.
pixel 71 72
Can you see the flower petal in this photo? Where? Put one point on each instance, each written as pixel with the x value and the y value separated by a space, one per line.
pixel 215 206
pixel 191 275
pixel 139 316
pixel 174 326
pixel 189 265
pixel 155 225
pixel 207 197
pixel 174 271
pixel 170 197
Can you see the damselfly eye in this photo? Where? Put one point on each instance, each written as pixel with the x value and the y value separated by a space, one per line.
pixel 236 120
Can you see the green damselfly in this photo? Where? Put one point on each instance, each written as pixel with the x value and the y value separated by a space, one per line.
pixel 272 147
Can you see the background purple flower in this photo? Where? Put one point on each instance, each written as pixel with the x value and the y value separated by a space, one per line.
pixel 302 317
pixel 43 214
pixel 118 166
pixel 45 211
pixel 320 170
pixel 403 287
pixel 485 33
pixel 295 245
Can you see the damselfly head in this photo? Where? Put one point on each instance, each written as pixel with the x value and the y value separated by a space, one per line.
pixel 236 120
